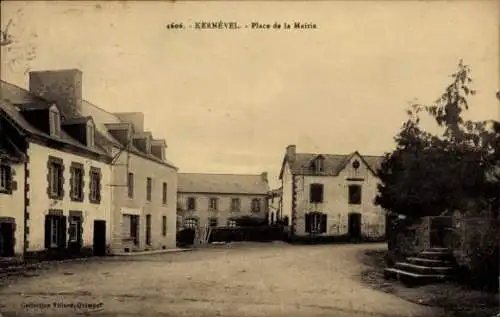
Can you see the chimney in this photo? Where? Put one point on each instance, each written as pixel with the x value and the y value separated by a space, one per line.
pixel 290 153
pixel 64 87
pixel 263 176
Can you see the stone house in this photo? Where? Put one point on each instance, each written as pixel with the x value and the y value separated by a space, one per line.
pixel 216 200
pixel 331 195
pixel 56 193
pixel 98 180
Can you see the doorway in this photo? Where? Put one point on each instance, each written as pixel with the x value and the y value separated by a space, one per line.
pixel 7 238
pixel 99 237
pixel 354 226
pixel 148 229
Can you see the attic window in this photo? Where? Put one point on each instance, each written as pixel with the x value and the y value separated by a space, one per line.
pixel 90 134
pixel 355 164
pixel 319 165
pixel 55 122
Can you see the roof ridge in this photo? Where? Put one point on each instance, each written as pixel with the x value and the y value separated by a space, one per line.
pixel 223 174
pixel 100 108
pixel 309 153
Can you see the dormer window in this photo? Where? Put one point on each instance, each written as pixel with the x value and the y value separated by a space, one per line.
pixel 318 165
pixel 55 121
pixel 90 134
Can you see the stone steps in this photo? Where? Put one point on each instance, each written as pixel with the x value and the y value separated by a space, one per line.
pixel 429 266
pixel 423 269
pixel 413 279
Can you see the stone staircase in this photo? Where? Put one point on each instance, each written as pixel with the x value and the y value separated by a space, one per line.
pixel 429 266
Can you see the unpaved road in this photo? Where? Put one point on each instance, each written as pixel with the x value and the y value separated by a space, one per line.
pixel 247 280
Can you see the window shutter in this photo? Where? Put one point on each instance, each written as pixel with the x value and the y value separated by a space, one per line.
pixel 323 223
pixel 80 231
pixel 308 222
pixel 99 187
pixel 47 231
pixel 62 232
pixel 61 182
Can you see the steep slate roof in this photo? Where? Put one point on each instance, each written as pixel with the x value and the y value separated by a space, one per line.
pixel 101 118
pixel 221 184
pixel 9 152
pixel 14 98
pixel 333 163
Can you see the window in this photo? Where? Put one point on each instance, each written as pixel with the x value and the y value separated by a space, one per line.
pixel 213 204
pixel 235 205
pixel 55 122
pixel 148 229
pixel 212 222
pixel 319 164
pixel 190 223
pixel 255 205
pixel 164 195
pixel 149 188
pixel 95 185
pixel 90 134
pixel 315 222
pixel 355 194
pixel 164 226
pixel 75 229
pixel 355 164
pixel 130 185
pixel 5 178
pixel 134 228
pixel 55 178
pixel 76 192
pixel 316 193
pixel 191 203
pixel 231 223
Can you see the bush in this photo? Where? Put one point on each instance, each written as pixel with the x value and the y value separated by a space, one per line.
pixel 481 265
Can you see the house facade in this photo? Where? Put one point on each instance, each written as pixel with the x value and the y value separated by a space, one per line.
pixel 274 203
pixel 12 198
pixel 93 180
pixel 56 197
pixel 330 195
pixel 219 200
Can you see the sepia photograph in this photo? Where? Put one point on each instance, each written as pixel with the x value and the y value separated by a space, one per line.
pixel 187 158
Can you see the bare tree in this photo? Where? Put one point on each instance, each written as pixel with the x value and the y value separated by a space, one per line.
pixel 17 54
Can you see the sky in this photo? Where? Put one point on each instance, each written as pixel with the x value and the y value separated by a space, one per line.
pixel 230 101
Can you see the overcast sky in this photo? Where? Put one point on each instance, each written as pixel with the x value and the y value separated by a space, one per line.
pixel 229 101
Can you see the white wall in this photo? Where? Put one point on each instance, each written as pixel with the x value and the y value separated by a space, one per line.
pixel 335 201
pixel 287 193
pixel 142 169
pixel 40 203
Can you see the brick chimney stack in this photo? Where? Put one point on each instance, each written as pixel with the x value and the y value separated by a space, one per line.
pixel 290 152
pixel 64 87
pixel 263 175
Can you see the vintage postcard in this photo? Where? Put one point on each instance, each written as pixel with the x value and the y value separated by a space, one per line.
pixel 250 158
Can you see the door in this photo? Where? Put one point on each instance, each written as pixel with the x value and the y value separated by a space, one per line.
pixel 99 237
pixel 7 241
pixel 354 226
pixel 439 228
pixel 148 229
